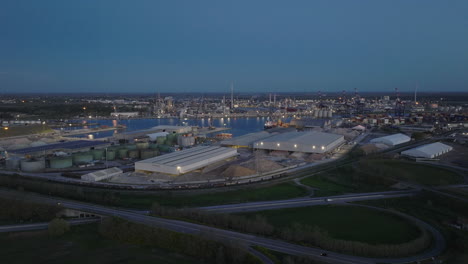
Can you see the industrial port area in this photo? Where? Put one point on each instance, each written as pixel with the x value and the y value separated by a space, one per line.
pixel 286 134
pixel 233 132
pixel 271 155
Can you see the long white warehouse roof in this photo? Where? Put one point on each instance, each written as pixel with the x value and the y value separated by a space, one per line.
pixel 308 142
pixel 392 140
pixel 101 174
pixel 246 140
pixel 429 151
pixel 186 160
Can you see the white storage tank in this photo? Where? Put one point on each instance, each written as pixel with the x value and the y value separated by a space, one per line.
pixel 33 165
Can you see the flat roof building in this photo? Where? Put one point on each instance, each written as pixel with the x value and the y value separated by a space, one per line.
pixel 246 141
pixel 101 174
pixel 428 151
pixel 307 142
pixel 392 140
pixel 184 161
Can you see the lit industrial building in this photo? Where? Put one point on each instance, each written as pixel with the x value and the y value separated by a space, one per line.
pixel 186 160
pixel 307 142
pixel 392 140
pixel 428 151
pixel 246 141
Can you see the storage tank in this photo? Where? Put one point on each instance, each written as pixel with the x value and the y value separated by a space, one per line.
pixel 320 114
pixel 130 146
pixel 33 165
pixel 148 153
pixel 98 154
pixel 171 139
pixel 110 154
pixel 164 148
pixel 161 140
pixel 61 162
pixel 329 114
pixel 82 157
pixel 122 153
pixel 13 163
pixel 153 146
pixel 142 145
pixel 134 154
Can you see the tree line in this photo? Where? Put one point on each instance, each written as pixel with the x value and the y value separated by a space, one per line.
pixel 21 211
pixel 195 246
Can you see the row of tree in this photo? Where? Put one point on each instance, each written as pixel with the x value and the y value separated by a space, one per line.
pixel 25 211
pixel 298 233
pixel 196 246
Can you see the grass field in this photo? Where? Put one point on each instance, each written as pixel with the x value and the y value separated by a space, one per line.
pixel 435 210
pixel 339 181
pixel 82 244
pixel 378 175
pixel 347 223
pixel 418 173
pixel 279 191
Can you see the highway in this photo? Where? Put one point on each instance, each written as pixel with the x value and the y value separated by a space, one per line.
pixel 225 235
pixel 305 201
pixel 41 226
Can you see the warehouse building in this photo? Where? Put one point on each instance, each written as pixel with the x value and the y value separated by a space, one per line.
pixel 307 142
pixel 428 151
pixel 186 160
pixel 153 132
pixel 101 174
pixel 246 141
pixel 392 140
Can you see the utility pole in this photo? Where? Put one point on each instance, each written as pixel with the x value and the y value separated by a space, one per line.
pixel 232 95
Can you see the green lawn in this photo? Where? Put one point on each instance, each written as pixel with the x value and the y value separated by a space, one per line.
pixel 435 210
pixel 418 173
pixel 82 244
pixel 326 187
pixel 347 223
pixel 344 180
pixel 248 194
pixel 378 175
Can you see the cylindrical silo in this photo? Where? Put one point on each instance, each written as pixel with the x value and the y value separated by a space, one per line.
pixel 153 146
pixel 110 155
pixel 164 148
pixel 82 157
pixel 122 153
pixel 142 145
pixel 98 154
pixel 161 140
pixel 130 146
pixel 148 153
pixel 34 165
pixel 134 154
pixel 61 162
pixel 13 163
pixel 320 113
pixel 329 113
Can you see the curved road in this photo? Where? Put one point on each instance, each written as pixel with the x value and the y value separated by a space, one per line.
pixel 304 201
pixel 223 235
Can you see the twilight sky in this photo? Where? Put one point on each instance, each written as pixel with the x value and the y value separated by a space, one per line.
pixel 264 46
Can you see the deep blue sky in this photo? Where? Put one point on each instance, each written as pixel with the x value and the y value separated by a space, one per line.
pixel 264 46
